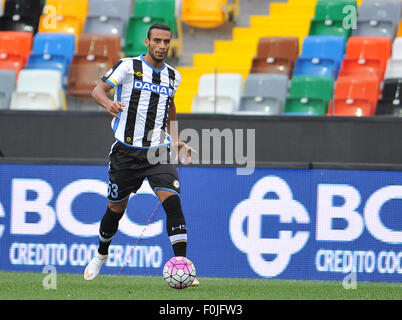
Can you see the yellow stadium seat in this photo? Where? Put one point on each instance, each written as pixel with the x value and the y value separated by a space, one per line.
pixel 62 25
pixel 64 16
pixel 72 8
pixel 196 13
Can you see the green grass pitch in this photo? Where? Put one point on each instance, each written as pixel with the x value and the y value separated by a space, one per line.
pixel 27 286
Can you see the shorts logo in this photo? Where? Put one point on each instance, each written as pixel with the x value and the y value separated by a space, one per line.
pixel 128 139
pixel 176 184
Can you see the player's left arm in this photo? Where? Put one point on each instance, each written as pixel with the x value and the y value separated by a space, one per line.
pixel 182 148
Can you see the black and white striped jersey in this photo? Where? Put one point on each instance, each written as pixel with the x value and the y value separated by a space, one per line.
pixel 147 94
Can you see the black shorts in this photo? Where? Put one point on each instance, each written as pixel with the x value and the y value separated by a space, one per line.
pixel 129 167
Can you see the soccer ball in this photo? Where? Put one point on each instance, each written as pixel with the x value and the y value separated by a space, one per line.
pixel 179 272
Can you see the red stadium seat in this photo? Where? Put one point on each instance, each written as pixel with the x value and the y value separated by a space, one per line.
pixel 366 55
pixel 357 96
pixel 15 47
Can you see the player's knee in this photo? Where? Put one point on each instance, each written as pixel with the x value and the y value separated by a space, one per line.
pixel 118 207
pixel 172 206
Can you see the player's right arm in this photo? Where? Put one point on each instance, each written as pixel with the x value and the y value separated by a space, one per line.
pixel 99 94
pixel 114 77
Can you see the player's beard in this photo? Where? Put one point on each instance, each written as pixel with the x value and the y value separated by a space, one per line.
pixel 152 54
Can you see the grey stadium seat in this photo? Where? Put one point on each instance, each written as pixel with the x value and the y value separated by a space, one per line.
pixel 389 10
pixel 108 17
pixel 7 87
pixel 378 18
pixel 264 93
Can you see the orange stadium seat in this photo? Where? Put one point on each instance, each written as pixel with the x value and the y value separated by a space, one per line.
pixel 197 14
pixel 366 55
pixel 15 47
pixel 355 96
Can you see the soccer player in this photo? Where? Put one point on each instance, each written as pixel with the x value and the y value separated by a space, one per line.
pixel 143 108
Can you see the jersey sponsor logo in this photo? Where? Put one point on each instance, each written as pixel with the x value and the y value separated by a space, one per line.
pixel 152 87
pixel 138 74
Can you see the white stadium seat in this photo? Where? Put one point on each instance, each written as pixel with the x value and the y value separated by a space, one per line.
pixel 394 69
pixel 397 49
pixel 218 93
pixel 38 90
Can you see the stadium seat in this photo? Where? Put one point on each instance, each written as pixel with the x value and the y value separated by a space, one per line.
pixel 394 65
pixel 391 101
pixel 276 55
pixel 367 55
pixel 394 69
pixel 392 89
pixel 355 96
pixel 52 51
pixel 83 75
pixel 397 49
pixel 64 16
pixel 329 18
pixel 21 15
pixel 70 8
pixel 195 13
pixel 137 30
pixel 389 107
pixel 309 95
pixel 96 47
pixel 108 17
pixel 264 93
pixel 218 93
pixel 15 47
pixel 321 56
pixel 378 19
pixel 63 24
pixel 7 87
pixel 166 10
pixel 38 90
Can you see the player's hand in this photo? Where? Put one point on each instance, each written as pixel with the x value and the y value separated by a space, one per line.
pixel 114 108
pixel 183 150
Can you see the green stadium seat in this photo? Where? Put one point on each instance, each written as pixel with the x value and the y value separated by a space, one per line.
pixel 329 18
pixel 161 11
pixel 137 30
pixel 157 8
pixel 309 95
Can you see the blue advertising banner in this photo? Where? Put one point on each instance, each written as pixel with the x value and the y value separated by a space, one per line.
pixel 274 223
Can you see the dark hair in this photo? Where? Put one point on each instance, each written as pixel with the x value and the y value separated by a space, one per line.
pixel 158 26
